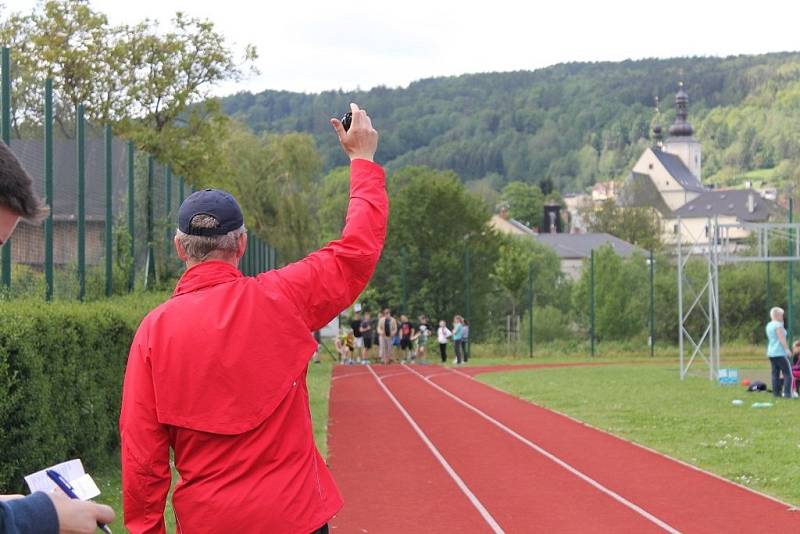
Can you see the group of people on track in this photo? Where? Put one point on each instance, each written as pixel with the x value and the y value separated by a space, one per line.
pixel 399 339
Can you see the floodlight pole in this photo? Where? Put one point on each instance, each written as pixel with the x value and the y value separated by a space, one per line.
pixel 591 299
pixel 790 278
pixel 680 298
pixel 652 308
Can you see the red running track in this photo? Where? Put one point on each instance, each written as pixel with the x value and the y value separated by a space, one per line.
pixel 428 449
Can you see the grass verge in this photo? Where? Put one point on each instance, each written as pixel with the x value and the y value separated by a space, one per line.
pixel 694 420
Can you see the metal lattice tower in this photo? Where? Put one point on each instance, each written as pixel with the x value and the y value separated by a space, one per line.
pixel 720 244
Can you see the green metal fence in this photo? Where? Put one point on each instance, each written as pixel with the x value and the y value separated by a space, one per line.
pixel 112 209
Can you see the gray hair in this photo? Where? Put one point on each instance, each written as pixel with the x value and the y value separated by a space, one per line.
pixel 201 248
pixel 773 313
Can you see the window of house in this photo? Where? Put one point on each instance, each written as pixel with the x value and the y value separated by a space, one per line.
pixel 650 166
pixel 675 229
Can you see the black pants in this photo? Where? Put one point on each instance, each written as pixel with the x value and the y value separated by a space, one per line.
pixel 781 366
pixel 459 350
pixel 443 352
pixel 322 530
pixel 465 344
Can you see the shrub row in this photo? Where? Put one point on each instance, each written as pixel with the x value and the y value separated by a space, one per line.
pixel 61 369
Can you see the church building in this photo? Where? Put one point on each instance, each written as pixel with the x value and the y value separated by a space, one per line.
pixel 668 178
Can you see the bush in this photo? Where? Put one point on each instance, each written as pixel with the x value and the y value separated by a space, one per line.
pixel 61 369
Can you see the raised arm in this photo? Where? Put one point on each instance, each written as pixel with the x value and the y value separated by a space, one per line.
pixel 327 281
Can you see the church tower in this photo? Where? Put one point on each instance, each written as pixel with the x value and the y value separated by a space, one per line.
pixel 680 141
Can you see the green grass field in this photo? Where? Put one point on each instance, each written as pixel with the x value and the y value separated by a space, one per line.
pixel 693 420
pixel 319 381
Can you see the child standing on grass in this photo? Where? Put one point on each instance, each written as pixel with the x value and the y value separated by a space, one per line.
pixel 795 368
pixel 442 336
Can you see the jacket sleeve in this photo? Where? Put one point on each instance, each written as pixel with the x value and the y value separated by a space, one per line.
pixel 327 281
pixel 34 514
pixel 144 446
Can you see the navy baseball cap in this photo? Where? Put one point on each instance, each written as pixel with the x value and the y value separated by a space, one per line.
pixel 212 202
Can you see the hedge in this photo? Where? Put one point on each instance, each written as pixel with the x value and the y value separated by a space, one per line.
pixel 61 369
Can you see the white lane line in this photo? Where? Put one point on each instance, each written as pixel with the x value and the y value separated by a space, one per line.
pixel 586 478
pixel 789 507
pixel 390 375
pixel 450 471
pixel 348 375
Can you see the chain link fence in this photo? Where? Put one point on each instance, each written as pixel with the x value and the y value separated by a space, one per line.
pixel 112 210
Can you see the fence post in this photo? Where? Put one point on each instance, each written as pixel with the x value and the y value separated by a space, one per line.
pixel 48 187
pixel 652 307
pixel 790 277
pixel 5 116
pixel 167 212
pixel 263 257
pixel 181 191
pixel 530 310
pixel 467 280
pixel 131 214
pixel 81 156
pixel 150 273
pixel 591 299
pixel 769 291
pixel 403 280
pixel 109 214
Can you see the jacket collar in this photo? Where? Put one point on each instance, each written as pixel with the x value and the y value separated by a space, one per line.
pixel 206 274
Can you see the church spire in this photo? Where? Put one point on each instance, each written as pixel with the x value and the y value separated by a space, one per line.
pixel 681 127
pixel 658 136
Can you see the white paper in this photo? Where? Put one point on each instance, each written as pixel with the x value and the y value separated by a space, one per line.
pixel 73 472
pixel 85 488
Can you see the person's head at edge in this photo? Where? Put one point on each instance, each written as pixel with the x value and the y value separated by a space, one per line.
pixel 776 314
pixel 19 201
pixel 17 198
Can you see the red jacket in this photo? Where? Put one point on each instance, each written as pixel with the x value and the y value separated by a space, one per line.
pixel 217 373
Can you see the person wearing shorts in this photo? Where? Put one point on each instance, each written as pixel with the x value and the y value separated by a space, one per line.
pixel 406 332
pixel 366 336
pixel 358 339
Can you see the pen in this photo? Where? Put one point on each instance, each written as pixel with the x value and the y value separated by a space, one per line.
pixel 66 487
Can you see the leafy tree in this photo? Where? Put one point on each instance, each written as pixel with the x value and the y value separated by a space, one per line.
pixel 525 203
pixel 151 84
pixel 272 177
pixel 640 226
pixel 517 255
pixel 433 221
pixel 333 195
pixel 620 295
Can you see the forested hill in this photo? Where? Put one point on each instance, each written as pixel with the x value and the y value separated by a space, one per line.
pixel 574 123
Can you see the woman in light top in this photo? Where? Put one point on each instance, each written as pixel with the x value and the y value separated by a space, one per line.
pixel 778 353
pixel 442 335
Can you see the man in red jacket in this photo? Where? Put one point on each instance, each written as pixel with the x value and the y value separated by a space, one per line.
pixel 218 372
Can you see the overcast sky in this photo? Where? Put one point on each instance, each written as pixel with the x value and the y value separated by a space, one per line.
pixel 313 45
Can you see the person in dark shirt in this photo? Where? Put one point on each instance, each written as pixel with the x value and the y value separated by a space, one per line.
pixel 367 335
pixel 406 331
pixel 358 338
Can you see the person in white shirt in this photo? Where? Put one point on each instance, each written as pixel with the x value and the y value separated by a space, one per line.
pixel 443 334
